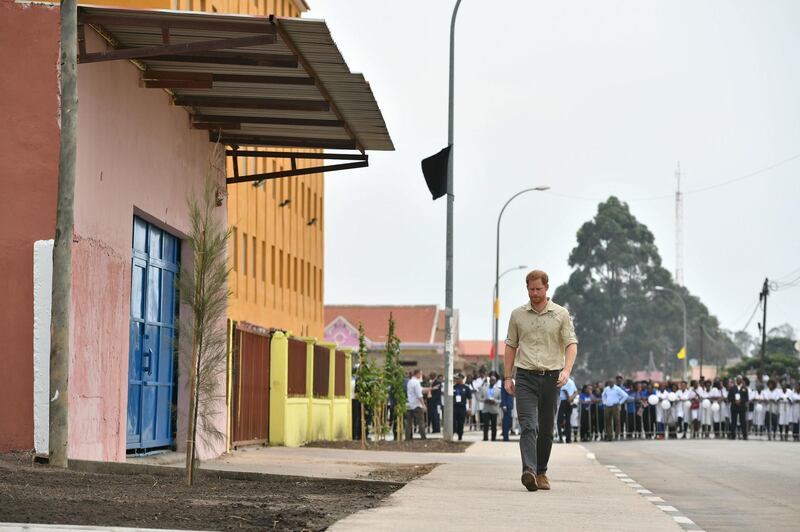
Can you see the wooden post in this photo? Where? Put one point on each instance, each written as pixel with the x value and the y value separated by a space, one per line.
pixel 62 249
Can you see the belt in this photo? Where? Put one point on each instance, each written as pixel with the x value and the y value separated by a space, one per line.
pixel 540 372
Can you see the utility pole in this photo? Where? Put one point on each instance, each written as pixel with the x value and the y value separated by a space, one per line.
pixel 702 339
pixel 62 248
pixel 763 297
pixel 678 227
pixel 449 348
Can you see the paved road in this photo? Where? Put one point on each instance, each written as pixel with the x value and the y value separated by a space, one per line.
pixel 720 485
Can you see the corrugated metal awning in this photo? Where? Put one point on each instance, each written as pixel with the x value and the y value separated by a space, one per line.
pixel 249 81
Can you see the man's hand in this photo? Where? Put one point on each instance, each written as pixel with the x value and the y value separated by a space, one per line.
pixel 508 384
pixel 562 378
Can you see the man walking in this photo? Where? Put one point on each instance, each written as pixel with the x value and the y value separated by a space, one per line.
pixel 416 406
pixel 540 348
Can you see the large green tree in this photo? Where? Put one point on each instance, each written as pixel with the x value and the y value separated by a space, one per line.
pixel 619 317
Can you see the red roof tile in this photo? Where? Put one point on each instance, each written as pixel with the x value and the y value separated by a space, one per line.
pixel 413 323
pixel 474 348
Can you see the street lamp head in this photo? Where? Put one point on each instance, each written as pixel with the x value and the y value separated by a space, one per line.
pixel 541 188
pixel 522 267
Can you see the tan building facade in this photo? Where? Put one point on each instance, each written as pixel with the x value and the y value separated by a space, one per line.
pixel 276 244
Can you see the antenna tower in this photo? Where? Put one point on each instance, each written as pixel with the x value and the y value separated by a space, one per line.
pixel 678 227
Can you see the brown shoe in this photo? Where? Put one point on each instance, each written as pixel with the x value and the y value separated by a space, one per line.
pixel 542 481
pixel 529 480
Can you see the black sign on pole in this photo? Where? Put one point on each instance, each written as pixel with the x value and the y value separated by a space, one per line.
pixel 434 168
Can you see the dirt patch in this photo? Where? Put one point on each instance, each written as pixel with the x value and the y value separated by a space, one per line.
pixel 399 472
pixel 419 446
pixel 33 493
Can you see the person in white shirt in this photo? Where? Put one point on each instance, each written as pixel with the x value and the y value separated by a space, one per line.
pixel 796 412
pixel 703 393
pixel 693 398
pixel 416 405
pixel 783 411
pixel 757 397
pixel 772 394
pixel 477 404
pixel 715 394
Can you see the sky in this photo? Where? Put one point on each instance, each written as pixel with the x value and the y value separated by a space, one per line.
pixel 591 99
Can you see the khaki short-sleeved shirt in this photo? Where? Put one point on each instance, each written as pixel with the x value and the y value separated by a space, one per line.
pixel 540 338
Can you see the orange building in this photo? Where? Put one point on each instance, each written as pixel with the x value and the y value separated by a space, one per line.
pixel 276 244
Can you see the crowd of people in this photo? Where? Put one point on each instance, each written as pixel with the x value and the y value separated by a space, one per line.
pixel 722 408
pixel 617 409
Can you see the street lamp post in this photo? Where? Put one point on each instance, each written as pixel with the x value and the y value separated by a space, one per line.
pixel 449 348
pixel 683 304
pixel 496 309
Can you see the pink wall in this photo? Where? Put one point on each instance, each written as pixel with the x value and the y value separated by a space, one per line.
pixel 136 154
pixel 29 177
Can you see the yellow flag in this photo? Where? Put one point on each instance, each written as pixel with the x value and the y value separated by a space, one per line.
pixel 682 353
pixel 497 308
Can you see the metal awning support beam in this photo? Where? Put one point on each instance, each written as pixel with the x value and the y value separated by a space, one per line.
pixel 274 104
pixel 161 79
pixel 185 23
pixel 185 49
pixel 361 163
pixel 235 58
pixel 271 120
pixel 289 142
pixel 297 155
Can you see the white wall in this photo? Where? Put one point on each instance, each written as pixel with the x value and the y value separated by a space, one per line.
pixel 42 295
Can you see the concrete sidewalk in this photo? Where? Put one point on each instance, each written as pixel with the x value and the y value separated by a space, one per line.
pixel 482 489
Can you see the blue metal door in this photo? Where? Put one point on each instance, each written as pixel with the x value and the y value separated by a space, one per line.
pixel 151 359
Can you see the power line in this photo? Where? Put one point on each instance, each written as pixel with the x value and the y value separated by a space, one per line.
pixel 755 309
pixel 692 191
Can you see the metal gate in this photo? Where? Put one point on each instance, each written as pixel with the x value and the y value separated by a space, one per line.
pixel 251 359
pixel 151 357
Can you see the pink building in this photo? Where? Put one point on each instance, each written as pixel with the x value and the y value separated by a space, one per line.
pixel 143 77
pixel 137 162
pixel 420 329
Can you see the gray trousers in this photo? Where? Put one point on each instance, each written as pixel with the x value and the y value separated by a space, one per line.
pixel 537 401
pixel 415 417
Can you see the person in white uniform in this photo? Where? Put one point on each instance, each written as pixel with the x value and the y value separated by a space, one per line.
pixel 783 411
pixel 772 394
pixel 703 393
pixel 716 412
pixel 759 410
pixel 796 412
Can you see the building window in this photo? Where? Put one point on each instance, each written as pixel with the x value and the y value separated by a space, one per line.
pixel 254 258
pixel 272 268
pixel 272 181
pixel 295 274
pixel 289 271
pixel 308 277
pixel 244 253
pixel 280 266
pixel 263 262
pixel 235 254
pixel 320 285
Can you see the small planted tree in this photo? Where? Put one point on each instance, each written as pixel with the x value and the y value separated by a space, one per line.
pixel 379 395
pixel 364 378
pixel 394 377
pixel 203 285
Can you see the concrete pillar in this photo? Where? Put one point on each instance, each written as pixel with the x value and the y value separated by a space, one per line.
pixel 279 388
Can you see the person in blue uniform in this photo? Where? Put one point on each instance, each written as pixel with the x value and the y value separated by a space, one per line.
pixel 461 397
